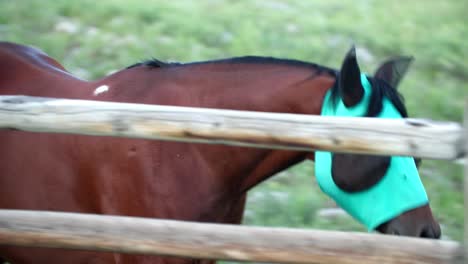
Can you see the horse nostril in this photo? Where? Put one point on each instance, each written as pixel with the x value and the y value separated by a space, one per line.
pixel 427 232
pixel 431 232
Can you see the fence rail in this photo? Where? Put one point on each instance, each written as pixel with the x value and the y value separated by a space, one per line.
pixel 408 137
pixel 214 241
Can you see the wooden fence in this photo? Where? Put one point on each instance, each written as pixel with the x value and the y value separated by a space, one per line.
pixel 414 137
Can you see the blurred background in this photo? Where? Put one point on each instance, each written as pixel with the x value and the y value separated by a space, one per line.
pixel 95 38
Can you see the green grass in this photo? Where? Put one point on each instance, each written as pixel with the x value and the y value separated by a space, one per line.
pixel 93 38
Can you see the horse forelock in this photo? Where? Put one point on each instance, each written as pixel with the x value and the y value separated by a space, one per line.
pixel 380 90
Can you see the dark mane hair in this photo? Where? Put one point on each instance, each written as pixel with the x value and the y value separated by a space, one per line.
pixel 152 63
pixel 380 90
pixel 155 63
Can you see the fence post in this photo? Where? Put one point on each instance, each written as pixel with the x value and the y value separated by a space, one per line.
pixel 465 195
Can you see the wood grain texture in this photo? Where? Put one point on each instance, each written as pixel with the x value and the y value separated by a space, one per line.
pixel 214 241
pixel 408 137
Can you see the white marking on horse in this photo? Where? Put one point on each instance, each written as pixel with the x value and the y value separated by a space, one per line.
pixel 101 89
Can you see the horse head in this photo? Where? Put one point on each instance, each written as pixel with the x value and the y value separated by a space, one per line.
pixel 385 193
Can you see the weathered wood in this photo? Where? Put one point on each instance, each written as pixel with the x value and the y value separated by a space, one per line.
pixel 465 242
pixel 422 138
pixel 214 241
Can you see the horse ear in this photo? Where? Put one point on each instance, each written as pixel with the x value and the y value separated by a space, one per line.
pixel 349 80
pixel 393 70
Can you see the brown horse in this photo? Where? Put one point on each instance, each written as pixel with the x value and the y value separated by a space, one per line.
pixel 195 182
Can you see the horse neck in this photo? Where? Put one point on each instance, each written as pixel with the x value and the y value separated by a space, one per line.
pixel 276 88
pixel 303 97
pixel 268 88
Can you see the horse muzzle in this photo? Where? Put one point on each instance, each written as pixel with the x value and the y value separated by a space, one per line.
pixel 418 222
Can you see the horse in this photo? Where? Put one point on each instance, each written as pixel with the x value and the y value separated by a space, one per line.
pixel 188 181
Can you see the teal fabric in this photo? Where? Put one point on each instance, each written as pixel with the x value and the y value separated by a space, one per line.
pixel 398 191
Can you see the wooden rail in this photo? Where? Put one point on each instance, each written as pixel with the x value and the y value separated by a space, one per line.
pixel 214 241
pixel 409 137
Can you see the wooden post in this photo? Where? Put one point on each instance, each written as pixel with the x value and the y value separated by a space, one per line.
pixel 465 244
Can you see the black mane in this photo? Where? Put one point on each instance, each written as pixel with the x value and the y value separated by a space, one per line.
pixel 152 63
pixel 380 88
pixel 155 63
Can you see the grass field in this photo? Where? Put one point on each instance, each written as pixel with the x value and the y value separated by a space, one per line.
pixel 94 38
